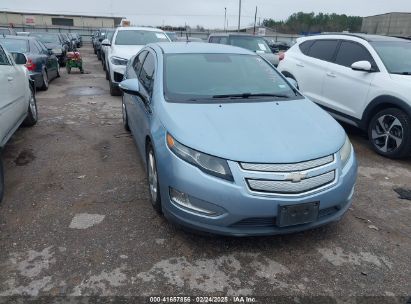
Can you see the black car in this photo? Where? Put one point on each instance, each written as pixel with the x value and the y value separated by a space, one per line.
pixel 76 39
pixel 54 42
pixel 42 63
pixel 277 46
pixel 101 36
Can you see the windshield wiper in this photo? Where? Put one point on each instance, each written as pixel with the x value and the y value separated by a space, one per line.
pixel 402 73
pixel 248 95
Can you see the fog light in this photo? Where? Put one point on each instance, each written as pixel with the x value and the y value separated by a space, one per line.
pixel 183 200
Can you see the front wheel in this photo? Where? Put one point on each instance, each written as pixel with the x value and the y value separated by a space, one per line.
pixel 152 176
pixel 32 114
pixel 390 133
pixel 45 84
pixel 125 116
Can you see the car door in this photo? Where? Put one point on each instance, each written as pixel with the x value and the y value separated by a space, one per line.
pixel 344 89
pixel 131 101
pixel 143 102
pixel 311 66
pixel 52 61
pixel 12 104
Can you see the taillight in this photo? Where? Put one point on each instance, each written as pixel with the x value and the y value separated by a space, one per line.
pixel 281 56
pixel 30 65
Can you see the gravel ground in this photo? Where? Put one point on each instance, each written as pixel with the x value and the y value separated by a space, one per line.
pixel 76 219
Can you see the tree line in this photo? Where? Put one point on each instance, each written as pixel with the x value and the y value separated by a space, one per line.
pixel 314 23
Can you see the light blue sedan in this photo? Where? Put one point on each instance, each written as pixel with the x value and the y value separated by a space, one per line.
pixel 230 145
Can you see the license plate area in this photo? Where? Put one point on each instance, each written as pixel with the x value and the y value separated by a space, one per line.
pixel 291 215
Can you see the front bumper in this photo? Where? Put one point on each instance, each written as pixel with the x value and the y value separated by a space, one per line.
pixel 117 73
pixel 244 213
pixel 37 77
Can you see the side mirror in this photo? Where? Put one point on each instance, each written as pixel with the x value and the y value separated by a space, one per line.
pixel 364 66
pixel 19 58
pixel 293 82
pixel 130 86
pixel 105 42
pixel 101 39
pixel 50 51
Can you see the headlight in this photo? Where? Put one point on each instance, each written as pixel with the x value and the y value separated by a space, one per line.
pixel 118 61
pixel 57 51
pixel 206 163
pixel 345 151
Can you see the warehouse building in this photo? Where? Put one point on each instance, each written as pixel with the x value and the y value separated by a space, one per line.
pixel 391 24
pixel 20 20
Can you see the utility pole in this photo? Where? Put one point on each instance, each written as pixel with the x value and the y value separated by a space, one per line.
pixel 225 17
pixel 239 15
pixel 255 18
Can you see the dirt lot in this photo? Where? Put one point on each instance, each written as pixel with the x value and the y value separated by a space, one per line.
pixel 76 219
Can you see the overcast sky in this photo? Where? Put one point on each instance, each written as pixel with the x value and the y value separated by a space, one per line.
pixel 208 13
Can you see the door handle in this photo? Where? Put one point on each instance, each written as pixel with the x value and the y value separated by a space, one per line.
pixel 300 64
pixel 9 78
pixel 331 74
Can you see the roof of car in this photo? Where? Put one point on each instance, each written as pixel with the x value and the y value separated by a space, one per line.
pixel 233 34
pixel 199 48
pixel 139 28
pixel 17 37
pixel 367 37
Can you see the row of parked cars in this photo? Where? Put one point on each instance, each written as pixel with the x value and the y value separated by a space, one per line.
pixel 28 62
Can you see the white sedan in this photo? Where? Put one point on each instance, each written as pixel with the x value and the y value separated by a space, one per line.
pixel 126 42
pixel 17 100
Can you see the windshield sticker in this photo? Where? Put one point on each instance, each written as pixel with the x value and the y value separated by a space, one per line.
pixel 262 46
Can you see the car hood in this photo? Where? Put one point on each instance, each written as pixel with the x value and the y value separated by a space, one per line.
pixel 266 132
pixel 126 51
pixel 404 79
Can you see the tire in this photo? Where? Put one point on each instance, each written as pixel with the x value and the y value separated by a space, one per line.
pixel 114 91
pixel 107 74
pixel 152 177
pixel 45 83
pixel 103 62
pixel 98 55
pixel 389 133
pixel 95 52
pixel 32 113
pixel 125 116
pixel 68 69
pixel 1 180
pixel 58 71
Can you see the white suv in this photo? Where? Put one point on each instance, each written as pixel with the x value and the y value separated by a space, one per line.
pixel 125 43
pixel 363 80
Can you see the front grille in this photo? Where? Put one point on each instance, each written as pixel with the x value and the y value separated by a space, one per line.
pixel 288 167
pixel 257 222
pixel 118 77
pixel 289 187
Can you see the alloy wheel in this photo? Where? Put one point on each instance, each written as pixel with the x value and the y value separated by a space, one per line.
pixel 32 105
pixel 152 176
pixel 387 133
pixel 45 79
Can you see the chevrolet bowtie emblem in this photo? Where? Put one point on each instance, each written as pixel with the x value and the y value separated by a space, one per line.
pixel 296 177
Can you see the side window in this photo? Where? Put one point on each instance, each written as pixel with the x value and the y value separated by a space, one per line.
pixel 305 46
pixel 223 40
pixel 351 52
pixel 323 49
pixel 214 39
pixel 3 57
pixel 35 48
pixel 138 62
pixel 42 47
pixel 146 76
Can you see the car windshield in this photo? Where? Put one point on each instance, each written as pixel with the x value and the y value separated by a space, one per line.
pixel 396 55
pixel 208 77
pixel 46 37
pixel 138 37
pixel 15 45
pixel 252 43
pixel 172 36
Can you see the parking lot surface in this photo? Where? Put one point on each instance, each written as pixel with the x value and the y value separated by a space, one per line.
pixel 76 219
